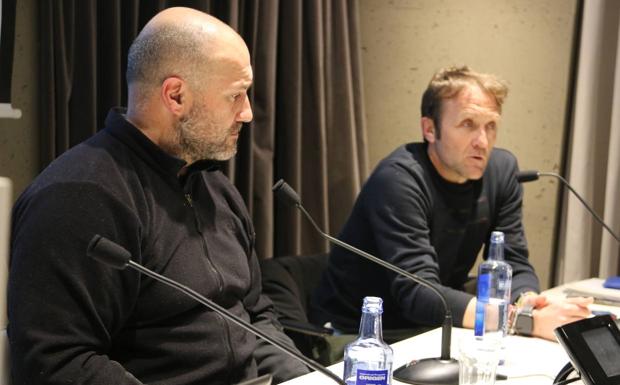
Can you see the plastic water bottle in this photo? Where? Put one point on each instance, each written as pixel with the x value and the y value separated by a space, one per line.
pixel 494 283
pixel 368 360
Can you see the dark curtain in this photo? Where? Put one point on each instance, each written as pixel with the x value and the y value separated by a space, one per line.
pixel 308 127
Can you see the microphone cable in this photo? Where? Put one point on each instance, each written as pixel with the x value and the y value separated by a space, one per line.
pixel 562 377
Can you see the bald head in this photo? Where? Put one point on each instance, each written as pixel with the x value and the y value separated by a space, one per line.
pixel 179 42
pixel 188 75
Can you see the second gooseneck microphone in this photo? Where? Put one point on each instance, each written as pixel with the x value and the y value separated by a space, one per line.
pixel 532 175
pixel 440 371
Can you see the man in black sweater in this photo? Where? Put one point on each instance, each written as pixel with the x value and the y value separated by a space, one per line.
pixel 428 208
pixel 149 181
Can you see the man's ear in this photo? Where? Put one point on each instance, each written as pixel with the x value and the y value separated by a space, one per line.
pixel 428 129
pixel 175 95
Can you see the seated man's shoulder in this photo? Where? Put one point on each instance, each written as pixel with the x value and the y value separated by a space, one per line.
pixel 502 157
pixel 81 175
pixel 400 174
pixel 407 158
pixel 502 168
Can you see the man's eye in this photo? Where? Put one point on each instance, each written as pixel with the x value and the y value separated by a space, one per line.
pixel 467 123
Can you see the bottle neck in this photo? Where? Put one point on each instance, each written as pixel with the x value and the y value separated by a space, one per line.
pixel 496 252
pixel 370 325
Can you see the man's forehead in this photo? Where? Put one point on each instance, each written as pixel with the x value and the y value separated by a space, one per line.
pixel 242 77
pixel 247 72
pixel 474 100
pixel 231 68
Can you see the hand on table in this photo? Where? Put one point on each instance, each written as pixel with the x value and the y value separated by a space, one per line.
pixel 549 315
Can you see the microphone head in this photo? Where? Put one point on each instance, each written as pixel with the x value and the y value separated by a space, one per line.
pixel 111 253
pixel 285 193
pixel 527 176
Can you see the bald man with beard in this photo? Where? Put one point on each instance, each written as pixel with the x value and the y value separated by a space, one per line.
pixel 150 181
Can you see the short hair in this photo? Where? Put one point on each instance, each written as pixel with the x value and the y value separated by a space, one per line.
pixel 166 50
pixel 448 82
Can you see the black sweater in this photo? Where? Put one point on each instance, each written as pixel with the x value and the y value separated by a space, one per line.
pixel 408 215
pixel 73 320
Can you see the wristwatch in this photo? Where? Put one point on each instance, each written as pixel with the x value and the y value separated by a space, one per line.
pixel 524 320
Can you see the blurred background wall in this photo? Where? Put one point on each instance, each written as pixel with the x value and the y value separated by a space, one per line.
pixel 19 139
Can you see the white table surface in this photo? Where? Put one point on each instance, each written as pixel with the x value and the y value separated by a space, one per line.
pixel 528 360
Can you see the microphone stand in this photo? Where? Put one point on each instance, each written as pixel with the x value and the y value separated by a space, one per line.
pixel 528 176
pixel 438 371
pixel 100 246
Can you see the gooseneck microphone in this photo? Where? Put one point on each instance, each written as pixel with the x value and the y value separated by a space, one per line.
pixel 532 175
pixel 439 371
pixel 117 257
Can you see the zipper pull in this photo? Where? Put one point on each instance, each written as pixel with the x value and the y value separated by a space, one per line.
pixel 188 198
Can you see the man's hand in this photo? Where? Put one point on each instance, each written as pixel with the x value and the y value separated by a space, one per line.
pixel 549 315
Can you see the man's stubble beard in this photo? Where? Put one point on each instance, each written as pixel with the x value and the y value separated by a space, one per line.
pixel 195 140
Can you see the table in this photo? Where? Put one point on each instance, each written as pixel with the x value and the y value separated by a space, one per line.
pixel 528 360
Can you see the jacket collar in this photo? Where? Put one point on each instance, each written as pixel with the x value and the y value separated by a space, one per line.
pixel 119 127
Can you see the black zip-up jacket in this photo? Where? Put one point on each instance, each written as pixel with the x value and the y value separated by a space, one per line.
pixel 408 215
pixel 73 320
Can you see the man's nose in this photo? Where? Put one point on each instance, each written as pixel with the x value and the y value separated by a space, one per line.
pixel 481 140
pixel 245 115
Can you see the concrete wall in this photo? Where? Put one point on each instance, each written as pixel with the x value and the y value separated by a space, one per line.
pixel 19 139
pixel 526 42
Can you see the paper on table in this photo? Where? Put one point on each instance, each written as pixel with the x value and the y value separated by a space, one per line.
pixel 593 287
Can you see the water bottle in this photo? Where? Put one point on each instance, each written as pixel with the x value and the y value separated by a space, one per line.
pixel 493 299
pixel 368 360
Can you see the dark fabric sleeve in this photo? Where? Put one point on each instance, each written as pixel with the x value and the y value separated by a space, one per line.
pixel 508 219
pixel 397 206
pixel 269 358
pixel 65 308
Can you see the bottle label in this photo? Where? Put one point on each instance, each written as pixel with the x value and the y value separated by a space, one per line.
pixel 371 377
pixel 484 281
pixel 484 285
